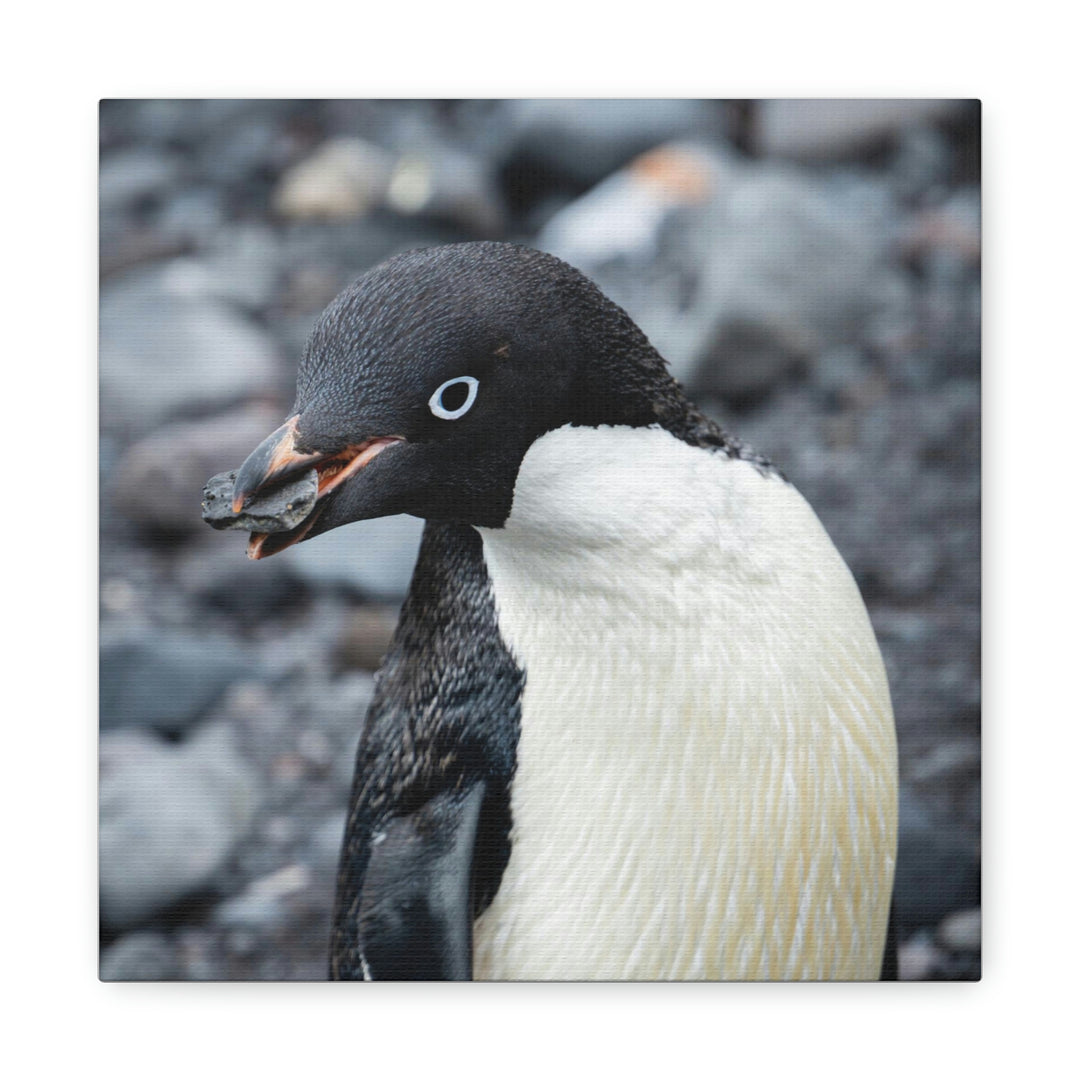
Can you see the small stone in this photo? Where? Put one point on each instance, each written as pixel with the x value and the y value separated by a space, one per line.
pixel 117 596
pixel 366 638
pixel 288 769
pixel 315 748
pixel 278 509
pixel 918 959
pixel 280 830
pixel 962 931
pixel 242 942
pixel 200 956
pixel 345 178
pixel 261 906
pixel 284 882
pixel 140 957
pixel 946 760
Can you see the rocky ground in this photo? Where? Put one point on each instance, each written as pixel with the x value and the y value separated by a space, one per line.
pixel 811 272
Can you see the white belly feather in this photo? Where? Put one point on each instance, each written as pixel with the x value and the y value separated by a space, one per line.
pixel 706 779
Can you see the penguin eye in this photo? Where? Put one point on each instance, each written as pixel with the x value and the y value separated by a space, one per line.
pixel 454 398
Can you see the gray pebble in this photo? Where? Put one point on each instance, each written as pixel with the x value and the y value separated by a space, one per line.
pixel 278 509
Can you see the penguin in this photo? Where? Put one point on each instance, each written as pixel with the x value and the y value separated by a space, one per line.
pixel 634 722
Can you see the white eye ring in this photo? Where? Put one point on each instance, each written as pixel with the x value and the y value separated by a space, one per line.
pixel 436 406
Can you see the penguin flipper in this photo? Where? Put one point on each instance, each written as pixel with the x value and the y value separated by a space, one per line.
pixel 415 910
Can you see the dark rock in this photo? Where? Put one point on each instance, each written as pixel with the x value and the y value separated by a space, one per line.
pixel 579 142
pixel 794 269
pixel 141 957
pixel 163 679
pixel 936 873
pixel 742 361
pixel 278 509
pixel 169 817
pixel 218 574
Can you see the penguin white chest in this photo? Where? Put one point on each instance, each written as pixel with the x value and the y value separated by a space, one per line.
pixel 706 776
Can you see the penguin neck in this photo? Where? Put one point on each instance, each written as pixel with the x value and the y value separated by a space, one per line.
pixel 622 515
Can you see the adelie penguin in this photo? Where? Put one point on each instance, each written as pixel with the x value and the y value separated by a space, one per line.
pixel 634 723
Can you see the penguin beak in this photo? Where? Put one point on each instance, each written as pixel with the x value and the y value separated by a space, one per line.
pixel 277 459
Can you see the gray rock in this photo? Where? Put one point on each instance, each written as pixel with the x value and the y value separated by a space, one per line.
pixel 807 128
pixel 276 509
pixel 239 151
pixel 375 558
pixel 794 268
pixel 141 957
pixel 962 931
pixel 137 173
pixel 623 217
pixel 243 265
pixel 169 817
pixel 165 679
pixel 170 347
pixel 948 758
pixel 921 162
pixel 919 959
pixel 450 185
pixel 157 482
pixel 738 272
pixel 194 214
pixel 263 904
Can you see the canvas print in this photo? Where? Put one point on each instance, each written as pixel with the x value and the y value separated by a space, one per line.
pixel 540 540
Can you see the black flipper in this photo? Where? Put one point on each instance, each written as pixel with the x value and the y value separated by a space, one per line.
pixel 427 836
pixel 416 901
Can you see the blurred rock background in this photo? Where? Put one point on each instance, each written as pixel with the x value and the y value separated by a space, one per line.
pixel 811 271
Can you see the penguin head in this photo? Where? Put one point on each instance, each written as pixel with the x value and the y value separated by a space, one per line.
pixel 424 384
